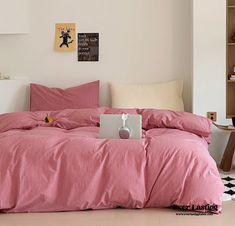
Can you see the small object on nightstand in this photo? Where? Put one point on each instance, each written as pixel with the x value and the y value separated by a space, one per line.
pixel 4 77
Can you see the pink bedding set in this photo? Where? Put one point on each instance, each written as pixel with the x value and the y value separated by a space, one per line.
pixel 64 166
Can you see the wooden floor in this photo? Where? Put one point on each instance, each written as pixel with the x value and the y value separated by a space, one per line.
pixel 121 217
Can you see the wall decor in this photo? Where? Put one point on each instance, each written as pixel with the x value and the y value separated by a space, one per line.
pixel 65 37
pixel 88 46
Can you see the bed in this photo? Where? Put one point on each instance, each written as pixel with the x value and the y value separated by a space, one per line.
pixel 60 164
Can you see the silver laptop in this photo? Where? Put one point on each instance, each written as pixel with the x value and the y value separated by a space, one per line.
pixel 110 125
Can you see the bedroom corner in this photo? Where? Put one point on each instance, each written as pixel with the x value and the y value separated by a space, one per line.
pixel 104 112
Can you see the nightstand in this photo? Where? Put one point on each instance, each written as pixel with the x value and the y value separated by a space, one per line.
pixel 227 160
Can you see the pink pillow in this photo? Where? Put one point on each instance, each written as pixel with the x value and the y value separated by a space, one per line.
pixel 43 98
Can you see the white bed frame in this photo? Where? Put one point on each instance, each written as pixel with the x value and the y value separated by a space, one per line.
pixel 14 95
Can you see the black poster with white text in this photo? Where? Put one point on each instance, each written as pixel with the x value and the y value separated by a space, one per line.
pixel 88 46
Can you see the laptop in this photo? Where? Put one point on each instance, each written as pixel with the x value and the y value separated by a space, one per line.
pixel 110 125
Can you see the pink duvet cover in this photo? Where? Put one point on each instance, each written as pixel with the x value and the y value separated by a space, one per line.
pixel 64 166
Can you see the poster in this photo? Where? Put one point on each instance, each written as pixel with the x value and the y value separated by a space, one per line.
pixel 88 46
pixel 65 37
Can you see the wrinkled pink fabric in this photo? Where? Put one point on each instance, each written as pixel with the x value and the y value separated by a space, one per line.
pixel 51 167
pixel 66 119
pixel 155 118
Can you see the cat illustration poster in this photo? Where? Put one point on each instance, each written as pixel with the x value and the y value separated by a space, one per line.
pixel 65 37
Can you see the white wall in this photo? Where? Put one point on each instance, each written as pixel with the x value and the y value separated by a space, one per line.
pixel 140 41
pixel 14 16
pixel 209 59
pixel 209 66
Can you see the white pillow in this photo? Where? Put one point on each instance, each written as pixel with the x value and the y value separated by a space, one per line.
pixel 166 95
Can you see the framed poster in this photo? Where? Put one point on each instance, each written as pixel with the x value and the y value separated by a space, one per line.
pixel 65 37
pixel 88 46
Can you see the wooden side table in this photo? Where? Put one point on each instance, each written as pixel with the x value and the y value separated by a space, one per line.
pixel 227 160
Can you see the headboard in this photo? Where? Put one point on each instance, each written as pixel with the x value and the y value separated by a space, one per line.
pixel 14 95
